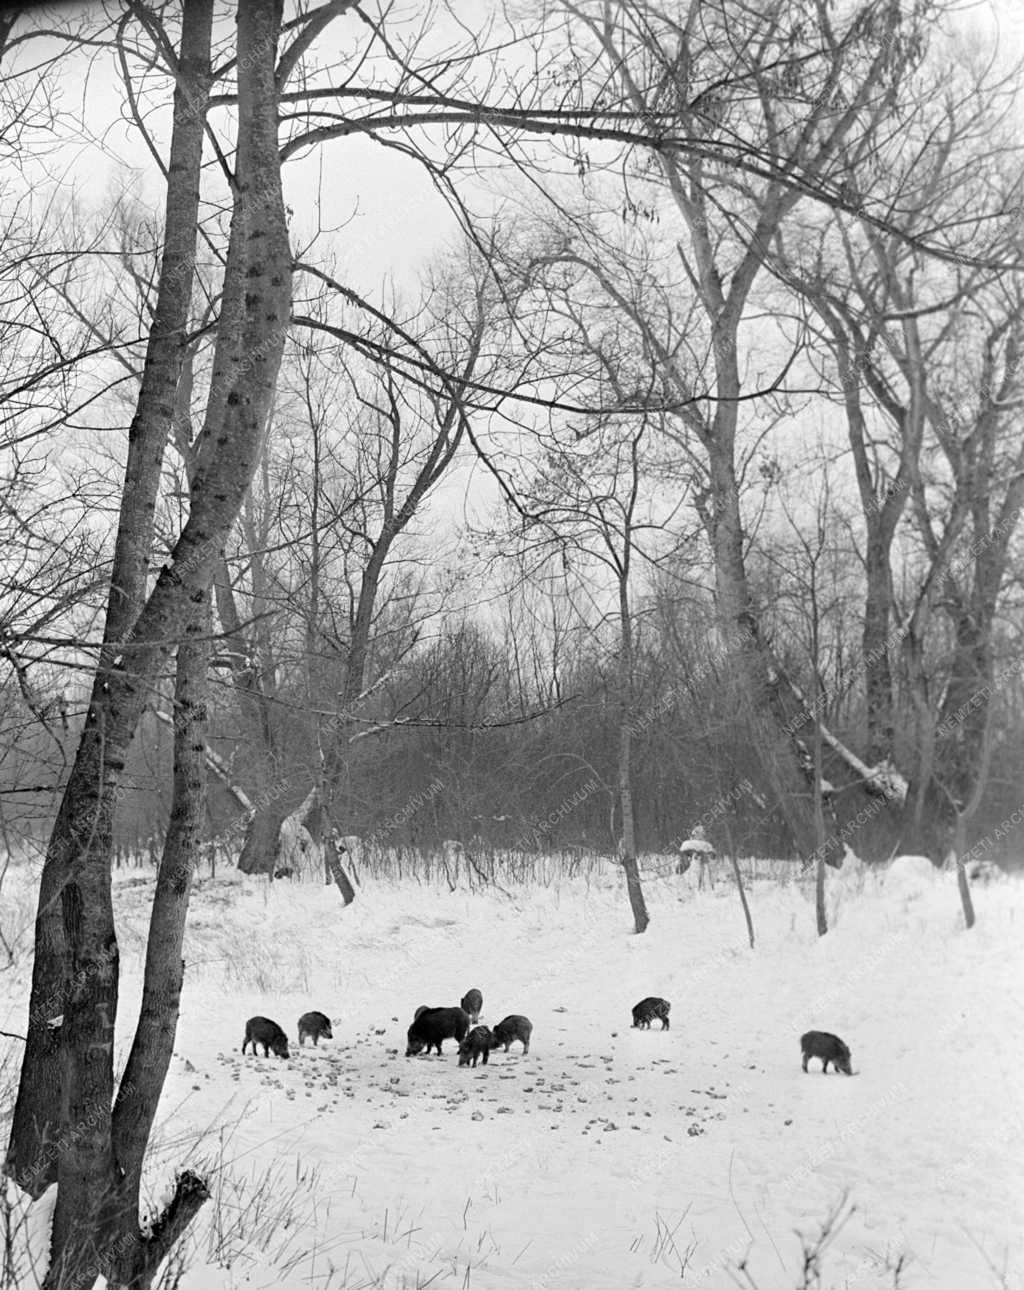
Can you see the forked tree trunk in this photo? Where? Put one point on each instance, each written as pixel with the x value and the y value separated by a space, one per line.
pixel 69 1135
pixel 83 824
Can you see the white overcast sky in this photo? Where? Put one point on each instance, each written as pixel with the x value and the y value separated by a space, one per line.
pixel 393 219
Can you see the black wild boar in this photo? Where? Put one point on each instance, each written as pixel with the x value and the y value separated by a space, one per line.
pixel 433 1026
pixel 261 1030
pixel 478 1043
pixel 513 1027
pixel 473 1002
pixel 827 1048
pixel 315 1026
pixel 647 1009
pixel 420 1011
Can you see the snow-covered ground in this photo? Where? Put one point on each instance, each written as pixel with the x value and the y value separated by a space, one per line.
pixel 608 1157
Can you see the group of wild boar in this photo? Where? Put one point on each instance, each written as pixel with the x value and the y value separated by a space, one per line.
pixel 432 1026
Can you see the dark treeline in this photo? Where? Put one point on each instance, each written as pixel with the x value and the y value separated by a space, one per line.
pixel 484 752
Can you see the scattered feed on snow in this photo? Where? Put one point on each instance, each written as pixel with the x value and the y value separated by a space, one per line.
pixel 606 1156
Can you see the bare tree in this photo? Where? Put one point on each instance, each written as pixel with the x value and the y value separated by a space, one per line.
pixel 814 585
pixel 589 503
pixel 926 355
pixel 67 1127
pixel 783 82
pixel 408 422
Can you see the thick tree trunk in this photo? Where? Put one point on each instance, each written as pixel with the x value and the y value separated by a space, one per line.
pixel 70 1137
pixel 262 844
pixel 83 824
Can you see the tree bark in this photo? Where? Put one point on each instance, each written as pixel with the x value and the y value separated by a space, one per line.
pixel 32 1155
pixel 262 844
pixel 141 1084
pixel 336 870
pixel 70 1137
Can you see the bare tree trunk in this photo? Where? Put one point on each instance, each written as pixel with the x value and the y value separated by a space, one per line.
pixel 821 850
pixel 69 1136
pixel 31 1157
pixel 262 844
pixel 821 839
pixel 964 716
pixel 334 867
pixel 878 692
pixel 743 895
pixel 963 815
pixel 641 919
pixel 150 1056
pixel 963 886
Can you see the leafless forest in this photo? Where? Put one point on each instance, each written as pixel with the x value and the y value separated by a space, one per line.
pixel 677 483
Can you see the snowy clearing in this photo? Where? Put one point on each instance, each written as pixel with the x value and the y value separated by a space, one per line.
pixel 609 1157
